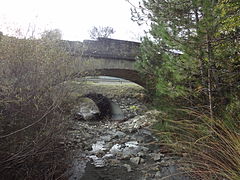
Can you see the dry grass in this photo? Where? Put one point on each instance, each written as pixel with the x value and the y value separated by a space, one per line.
pixel 210 147
pixel 120 89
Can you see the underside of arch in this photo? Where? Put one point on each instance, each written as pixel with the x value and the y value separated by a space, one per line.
pixel 107 108
pixel 130 75
pixel 103 104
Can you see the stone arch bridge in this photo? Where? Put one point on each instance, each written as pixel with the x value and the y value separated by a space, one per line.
pixel 106 57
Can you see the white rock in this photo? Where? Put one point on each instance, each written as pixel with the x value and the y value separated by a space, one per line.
pixel 120 134
pixel 131 144
pixel 158 174
pixel 158 157
pixel 106 138
pixel 129 169
pixel 98 146
pixel 107 156
pixel 135 160
pixel 116 149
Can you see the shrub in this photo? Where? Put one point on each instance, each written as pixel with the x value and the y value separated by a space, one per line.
pixel 31 91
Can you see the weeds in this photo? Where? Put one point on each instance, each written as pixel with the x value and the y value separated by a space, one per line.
pixel 210 148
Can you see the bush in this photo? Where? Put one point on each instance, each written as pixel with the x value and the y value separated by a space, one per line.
pixel 30 119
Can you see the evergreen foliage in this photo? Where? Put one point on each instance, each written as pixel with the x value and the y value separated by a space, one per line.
pixel 191 61
pixel 192 49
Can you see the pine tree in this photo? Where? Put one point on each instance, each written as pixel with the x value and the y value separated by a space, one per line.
pixel 184 50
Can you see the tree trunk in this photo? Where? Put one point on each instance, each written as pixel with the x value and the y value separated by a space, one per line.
pixel 210 60
pixel 200 55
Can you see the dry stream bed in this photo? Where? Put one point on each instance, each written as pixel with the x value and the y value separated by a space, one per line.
pixel 118 150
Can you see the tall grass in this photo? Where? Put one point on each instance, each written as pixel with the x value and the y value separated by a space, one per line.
pixel 210 148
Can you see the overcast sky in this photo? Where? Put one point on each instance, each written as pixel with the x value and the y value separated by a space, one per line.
pixel 73 17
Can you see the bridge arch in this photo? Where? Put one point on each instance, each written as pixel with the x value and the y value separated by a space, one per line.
pixel 103 104
pixel 107 108
pixel 127 74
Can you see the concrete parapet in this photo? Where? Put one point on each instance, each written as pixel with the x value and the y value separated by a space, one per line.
pixel 111 49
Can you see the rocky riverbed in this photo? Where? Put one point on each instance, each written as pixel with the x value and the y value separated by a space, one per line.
pixel 112 150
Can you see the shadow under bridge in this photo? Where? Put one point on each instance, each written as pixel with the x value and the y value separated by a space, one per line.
pixel 127 74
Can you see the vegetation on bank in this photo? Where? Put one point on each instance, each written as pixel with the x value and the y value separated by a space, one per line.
pixel 31 120
pixel 191 60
